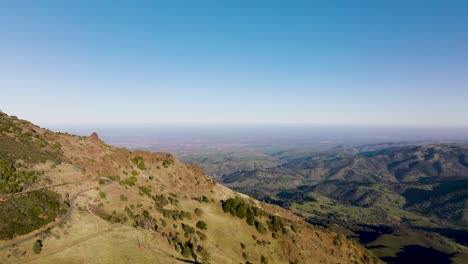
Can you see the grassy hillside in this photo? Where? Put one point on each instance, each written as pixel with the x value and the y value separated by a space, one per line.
pixel 221 164
pixel 71 199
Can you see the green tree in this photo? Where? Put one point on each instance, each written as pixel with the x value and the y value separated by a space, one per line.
pixel 241 210
pixel 201 225
pixel 37 246
pixel 250 216
pixel 260 227
pixel 187 250
pixel 275 224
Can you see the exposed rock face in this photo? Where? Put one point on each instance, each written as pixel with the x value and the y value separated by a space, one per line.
pixel 94 136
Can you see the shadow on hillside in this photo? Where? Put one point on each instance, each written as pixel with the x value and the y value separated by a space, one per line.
pixel 370 233
pixel 459 235
pixel 418 254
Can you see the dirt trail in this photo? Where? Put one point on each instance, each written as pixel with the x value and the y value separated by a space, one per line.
pixel 43 188
pixel 63 219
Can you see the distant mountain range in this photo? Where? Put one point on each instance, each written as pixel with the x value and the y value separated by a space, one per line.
pixel 401 164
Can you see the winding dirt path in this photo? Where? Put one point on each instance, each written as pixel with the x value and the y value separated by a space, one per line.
pixel 43 188
pixel 63 219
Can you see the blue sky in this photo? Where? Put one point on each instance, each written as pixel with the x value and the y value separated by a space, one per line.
pixel 379 63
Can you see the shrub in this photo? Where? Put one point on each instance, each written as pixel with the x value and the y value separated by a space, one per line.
pixel 138 161
pixel 188 230
pixel 275 224
pixel 260 227
pixel 145 220
pixel 123 198
pixel 102 194
pixel 201 225
pixel 145 190
pixel 37 246
pixel 167 162
pixel 187 250
pixel 241 210
pixel 250 216
pixel 131 181
pixel 160 200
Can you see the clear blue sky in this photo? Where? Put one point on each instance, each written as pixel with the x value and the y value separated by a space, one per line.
pixel 292 62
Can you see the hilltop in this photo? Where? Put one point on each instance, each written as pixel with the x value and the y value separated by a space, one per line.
pixel 74 199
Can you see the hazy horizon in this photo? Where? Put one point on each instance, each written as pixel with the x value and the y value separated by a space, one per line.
pixel 186 138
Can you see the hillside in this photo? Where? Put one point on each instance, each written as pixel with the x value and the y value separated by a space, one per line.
pixel 72 199
pixel 220 164
pixel 390 197
pixel 401 164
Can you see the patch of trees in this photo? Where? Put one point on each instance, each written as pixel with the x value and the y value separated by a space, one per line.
pixel 25 213
pixel 191 249
pixel 145 220
pixel 275 224
pixel 175 214
pixel 239 208
pixel 13 180
pixel 161 200
pixel 188 230
pixel 145 190
pixel 131 181
pixel 138 161
pixel 167 162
